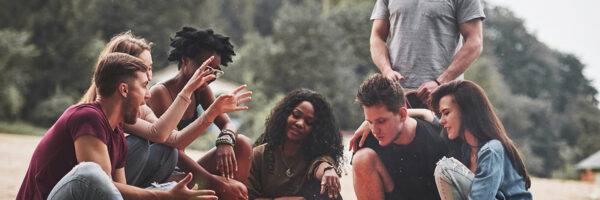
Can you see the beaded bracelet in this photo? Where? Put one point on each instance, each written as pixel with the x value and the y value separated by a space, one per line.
pixel 227 132
pixel 224 140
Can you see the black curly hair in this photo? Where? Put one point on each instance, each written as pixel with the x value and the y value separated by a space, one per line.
pixel 324 137
pixel 189 42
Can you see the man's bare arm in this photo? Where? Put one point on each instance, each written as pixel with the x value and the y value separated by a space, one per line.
pixel 91 149
pixel 379 49
pixel 471 49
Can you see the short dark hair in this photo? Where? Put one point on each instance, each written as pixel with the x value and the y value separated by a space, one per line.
pixel 113 69
pixel 189 42
pixel 379 89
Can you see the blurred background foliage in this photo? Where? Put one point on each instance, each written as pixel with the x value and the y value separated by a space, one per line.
pixel 48 50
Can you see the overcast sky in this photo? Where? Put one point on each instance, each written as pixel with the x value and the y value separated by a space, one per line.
pixel 570 26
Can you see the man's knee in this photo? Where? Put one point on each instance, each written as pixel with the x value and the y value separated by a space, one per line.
pixel 364 159
pixel 91 173
pixel 89 169
pixel 85 181
pixel 368 168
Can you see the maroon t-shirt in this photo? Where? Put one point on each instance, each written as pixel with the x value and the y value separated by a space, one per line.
pixel 55 154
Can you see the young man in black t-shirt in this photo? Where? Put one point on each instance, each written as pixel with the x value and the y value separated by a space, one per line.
pixel 398 158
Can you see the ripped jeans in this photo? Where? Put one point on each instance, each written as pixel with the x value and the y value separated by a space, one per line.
pixel 453 179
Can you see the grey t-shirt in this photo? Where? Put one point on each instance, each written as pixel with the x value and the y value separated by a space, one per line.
pixel 424 35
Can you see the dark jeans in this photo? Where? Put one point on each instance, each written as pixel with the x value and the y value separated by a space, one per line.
pixel 148 162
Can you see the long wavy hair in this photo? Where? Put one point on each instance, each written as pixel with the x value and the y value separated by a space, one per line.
pixel 324 137
pixel 477 116
pixel 124 42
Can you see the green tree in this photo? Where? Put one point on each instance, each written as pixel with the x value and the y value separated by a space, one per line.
pixel 310 49
pixel 14 65
pixel 539 94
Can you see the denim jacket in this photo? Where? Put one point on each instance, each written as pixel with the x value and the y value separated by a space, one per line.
pixel 495 177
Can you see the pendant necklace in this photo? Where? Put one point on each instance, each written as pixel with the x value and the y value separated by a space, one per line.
pixel 289 172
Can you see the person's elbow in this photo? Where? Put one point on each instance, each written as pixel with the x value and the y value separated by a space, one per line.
pixel 159 136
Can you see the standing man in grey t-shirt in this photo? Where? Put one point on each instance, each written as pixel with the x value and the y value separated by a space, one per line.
pixel 425 48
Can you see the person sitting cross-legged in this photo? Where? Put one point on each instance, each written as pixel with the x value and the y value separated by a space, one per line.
pixel 82 156
pixel 300 153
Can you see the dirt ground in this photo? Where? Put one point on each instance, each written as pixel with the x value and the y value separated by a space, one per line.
pixel 17 151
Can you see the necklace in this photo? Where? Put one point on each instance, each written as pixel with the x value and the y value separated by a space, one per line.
pixel 289 172
pixel 291 162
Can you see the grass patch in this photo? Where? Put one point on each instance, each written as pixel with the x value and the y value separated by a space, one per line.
pixel 21 128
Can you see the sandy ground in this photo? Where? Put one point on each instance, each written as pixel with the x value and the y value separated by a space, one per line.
pixel 17 151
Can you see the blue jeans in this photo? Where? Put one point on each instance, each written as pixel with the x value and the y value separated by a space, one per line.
pixel 453 179
pixel 86 180
pixel 148 162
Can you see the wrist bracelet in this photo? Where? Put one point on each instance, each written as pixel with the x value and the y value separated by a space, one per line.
pixel 328 168
pixel 224 140
pixel 227 132
pixel 437 82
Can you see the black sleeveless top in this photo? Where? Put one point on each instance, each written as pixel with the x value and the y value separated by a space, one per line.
pixel 185 122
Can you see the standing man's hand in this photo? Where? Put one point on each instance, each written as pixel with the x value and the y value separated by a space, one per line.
pixel 393 75
pixel 425 90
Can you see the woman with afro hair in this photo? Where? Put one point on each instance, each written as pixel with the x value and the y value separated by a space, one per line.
pixel 224 168
pixel 152 142
pixel 300 153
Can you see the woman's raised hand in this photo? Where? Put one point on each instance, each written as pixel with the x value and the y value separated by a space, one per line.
pixel 231 102
pixel 201 76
